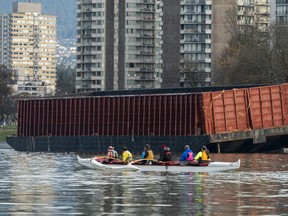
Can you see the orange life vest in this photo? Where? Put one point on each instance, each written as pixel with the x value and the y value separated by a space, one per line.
pixel 205 156
pixel 150 155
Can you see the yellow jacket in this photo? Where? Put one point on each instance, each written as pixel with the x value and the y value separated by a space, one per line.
pixel 127 156
pixel 202 155
pixel 150 155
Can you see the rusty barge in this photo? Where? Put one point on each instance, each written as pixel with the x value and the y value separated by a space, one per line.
pixel 228 119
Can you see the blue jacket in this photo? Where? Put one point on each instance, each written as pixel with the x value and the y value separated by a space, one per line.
pixel 185 155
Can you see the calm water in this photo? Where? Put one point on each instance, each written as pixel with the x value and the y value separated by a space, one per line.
pixel 54 184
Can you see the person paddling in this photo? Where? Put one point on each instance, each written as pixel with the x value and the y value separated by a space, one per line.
pixel 147 154
pixel 203 155
pixel 112 153
pixel 126 155
pixel 165 153
pixel 187 156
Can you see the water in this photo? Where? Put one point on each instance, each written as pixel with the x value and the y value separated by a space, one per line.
pixel 54 184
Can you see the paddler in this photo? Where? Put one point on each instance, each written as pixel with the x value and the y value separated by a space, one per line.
pixel 126 155
pixel 203 155
pixel 187 156
pixel 147 154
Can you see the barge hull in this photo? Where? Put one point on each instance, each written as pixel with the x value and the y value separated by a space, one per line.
pixel 99 145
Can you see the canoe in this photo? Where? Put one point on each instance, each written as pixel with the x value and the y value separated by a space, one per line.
pixel 134 166
pixel 93 163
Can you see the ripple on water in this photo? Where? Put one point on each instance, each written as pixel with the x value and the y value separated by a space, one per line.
pixel 47 183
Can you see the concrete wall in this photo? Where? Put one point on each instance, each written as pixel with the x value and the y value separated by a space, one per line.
pixel 219 33
pixel 19 7
pixel 171 43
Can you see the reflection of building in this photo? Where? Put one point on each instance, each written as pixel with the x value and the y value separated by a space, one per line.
pixel 32 49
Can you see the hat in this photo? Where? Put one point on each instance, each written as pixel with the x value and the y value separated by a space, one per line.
pixel 110 147
pixel 163 146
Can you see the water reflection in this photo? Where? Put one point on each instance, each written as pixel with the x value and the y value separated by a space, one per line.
pixel 42 183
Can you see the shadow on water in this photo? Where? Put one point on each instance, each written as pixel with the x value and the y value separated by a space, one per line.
pixel 46 183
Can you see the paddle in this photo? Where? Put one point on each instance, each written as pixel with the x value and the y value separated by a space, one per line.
pixel 107 157
pixel 145 159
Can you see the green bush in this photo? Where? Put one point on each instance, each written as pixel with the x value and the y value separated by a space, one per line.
pixel 6 131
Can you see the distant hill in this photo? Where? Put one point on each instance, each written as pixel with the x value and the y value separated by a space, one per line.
pixel 65 10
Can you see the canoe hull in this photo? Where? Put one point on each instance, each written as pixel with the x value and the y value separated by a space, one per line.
pixel 211 167
pixel 94 164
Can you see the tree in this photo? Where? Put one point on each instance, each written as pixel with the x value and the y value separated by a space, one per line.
pixel 65 83
pixel 7 102
pixel 253 56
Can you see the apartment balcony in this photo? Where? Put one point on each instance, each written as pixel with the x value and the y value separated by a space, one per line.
pixel 207 69
pixel 148 19
pixel 144 78
pixel 208 12
pixel 96 86
pixel 148 2
pixel 146 36
pixel 208 21
pixel 208 41
pixel 146 53
pixel 207 60
pixel 147 43
pixel 208 31
pixel 146 70
pixel 193 2
pixel 208 50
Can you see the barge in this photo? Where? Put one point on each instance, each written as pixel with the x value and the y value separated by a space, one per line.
pixel 228 119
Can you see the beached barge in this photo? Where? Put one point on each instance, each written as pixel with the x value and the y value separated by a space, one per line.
pixel 227 119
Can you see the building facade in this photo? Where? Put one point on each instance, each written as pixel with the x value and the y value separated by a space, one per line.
pixel 196 34
pixel 3 38
pixel 116 45
pixel 132 44
pixel 279 11
pixel 31 49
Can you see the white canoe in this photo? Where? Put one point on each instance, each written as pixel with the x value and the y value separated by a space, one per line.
pixel 211 167
pixel 94 164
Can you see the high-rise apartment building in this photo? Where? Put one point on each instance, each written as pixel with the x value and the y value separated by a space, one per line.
pixel 31 49
pixel 279 11
pixel 3 38
pixel 116 45
pixel 129 44
pixel 254 12
pixel 196 34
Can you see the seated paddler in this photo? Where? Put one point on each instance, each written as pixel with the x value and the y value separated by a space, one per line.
pixel 126 155
pixel 203 155
pixel 187 156
pixel 147 154
pixel 112 153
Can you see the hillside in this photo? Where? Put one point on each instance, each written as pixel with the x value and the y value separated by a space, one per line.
pixel 65 10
